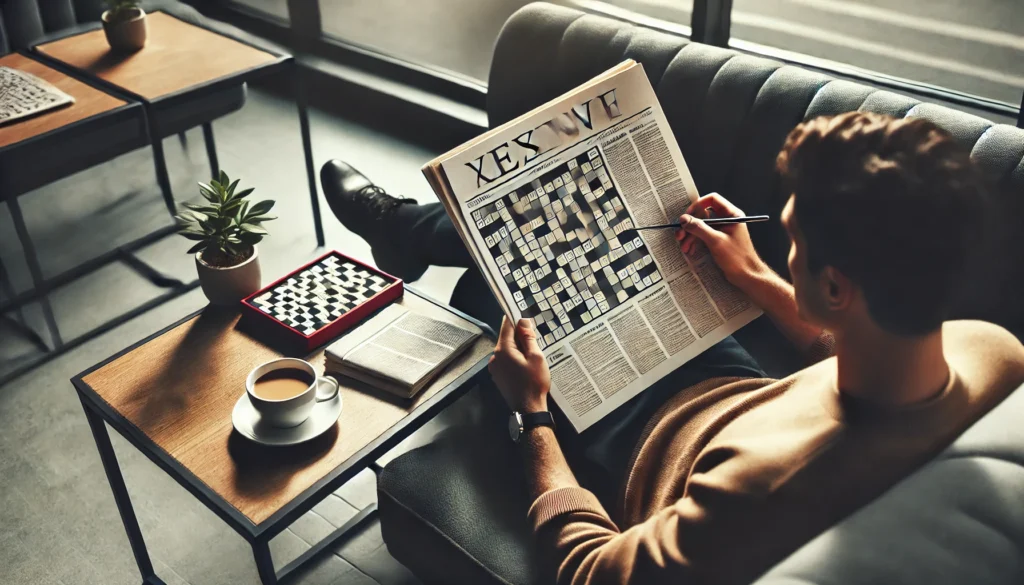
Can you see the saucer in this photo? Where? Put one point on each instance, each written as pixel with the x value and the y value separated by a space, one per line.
pixel 247 422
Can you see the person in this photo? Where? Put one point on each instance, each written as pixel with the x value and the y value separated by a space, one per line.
pixel 731 471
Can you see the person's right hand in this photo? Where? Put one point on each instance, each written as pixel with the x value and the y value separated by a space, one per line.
pixel 729 245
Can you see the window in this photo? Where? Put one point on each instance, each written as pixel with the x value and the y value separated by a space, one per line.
pixel 974 47
pixel 452 35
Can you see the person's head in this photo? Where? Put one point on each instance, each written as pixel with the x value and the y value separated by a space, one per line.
pixel 880 214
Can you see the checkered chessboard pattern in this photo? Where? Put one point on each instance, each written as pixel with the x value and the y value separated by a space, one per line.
pixel 556 241
pixel 309 300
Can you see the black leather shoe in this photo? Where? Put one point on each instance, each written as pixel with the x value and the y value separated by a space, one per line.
pixel 369 212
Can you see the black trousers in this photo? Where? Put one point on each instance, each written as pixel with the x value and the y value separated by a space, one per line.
pixel 429 233
pixel 604 450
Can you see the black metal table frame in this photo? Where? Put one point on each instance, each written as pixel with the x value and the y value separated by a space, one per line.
pixel 41 286
pixel 98 412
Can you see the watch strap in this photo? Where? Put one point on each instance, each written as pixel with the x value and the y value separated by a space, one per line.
pixel 537 419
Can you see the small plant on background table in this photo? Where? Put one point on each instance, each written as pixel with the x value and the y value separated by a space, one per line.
pixel 124 24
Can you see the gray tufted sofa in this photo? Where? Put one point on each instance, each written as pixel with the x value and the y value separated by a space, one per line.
pixel 453 511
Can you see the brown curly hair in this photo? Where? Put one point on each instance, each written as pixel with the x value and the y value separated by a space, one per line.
pixel 889 203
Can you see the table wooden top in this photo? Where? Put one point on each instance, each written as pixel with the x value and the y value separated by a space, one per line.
pixel 89 101
pixel 177 56
pixel 179 389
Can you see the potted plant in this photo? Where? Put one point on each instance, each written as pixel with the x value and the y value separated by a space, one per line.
pixel 226 230
pixel 125 25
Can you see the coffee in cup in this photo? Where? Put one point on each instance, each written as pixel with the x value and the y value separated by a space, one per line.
pixel 282 384
pixel 284 391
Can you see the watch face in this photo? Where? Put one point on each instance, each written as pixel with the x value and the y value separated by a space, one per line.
pixel 515 426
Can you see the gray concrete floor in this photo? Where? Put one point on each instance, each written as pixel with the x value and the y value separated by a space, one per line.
pixel 58 522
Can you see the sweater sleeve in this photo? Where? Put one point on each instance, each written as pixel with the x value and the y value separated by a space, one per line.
pixel 682 543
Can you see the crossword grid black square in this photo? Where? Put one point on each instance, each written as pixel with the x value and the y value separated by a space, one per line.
pixel 556 241
pixel 307 301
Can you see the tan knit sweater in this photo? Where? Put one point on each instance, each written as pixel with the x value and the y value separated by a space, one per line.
pixel 734 474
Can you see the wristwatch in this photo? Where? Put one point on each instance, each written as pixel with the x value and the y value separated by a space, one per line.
pixel 519 423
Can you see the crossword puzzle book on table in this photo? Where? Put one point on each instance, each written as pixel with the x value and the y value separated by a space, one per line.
pixel 319 301
pixel 545 205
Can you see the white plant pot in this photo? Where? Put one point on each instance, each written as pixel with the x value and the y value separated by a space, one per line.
pixel 126 35
pixel 227 286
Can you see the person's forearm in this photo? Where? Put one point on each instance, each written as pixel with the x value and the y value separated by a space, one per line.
pixel 544 463
pixel 777 299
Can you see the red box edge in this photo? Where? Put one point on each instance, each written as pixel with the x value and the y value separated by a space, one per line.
pixel 342 323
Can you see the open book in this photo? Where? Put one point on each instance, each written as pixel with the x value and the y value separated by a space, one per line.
pixel 542 203
pixel 399 350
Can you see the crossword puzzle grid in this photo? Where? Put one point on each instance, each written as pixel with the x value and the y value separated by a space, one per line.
pixel 309 300
pixel 556 241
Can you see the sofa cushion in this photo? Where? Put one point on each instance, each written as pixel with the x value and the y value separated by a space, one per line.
pixel 23 21
pixel 454 511
pixel 959 519
pixel 173 116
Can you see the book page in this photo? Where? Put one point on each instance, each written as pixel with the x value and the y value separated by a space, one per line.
pixel 544 203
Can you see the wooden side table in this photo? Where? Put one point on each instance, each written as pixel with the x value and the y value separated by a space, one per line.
pixel 171 395
pixel 98 126
pixel 182 63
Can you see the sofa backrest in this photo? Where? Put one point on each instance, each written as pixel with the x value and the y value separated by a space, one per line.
pixel 731 113
pixel 24 21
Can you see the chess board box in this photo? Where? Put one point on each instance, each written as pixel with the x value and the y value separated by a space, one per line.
pixel 319 301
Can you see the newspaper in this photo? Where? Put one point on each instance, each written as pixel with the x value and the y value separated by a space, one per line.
pixel 399 350
pixel 543 202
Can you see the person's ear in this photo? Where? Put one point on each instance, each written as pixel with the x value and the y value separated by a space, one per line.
pixel 839 291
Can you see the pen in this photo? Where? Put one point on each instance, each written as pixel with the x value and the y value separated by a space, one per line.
pixel 712 221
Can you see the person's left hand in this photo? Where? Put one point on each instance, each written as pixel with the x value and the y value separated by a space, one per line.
pixel 519 369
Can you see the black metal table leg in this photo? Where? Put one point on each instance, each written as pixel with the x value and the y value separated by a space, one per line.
pixel 14 302
pixel 264 562
pixel 37 274
pixel 307 149
pixel 211 149
pixel 162 178
pixel 121 497
pixel 18 322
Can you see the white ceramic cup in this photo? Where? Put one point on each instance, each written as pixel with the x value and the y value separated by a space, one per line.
pixel 293 411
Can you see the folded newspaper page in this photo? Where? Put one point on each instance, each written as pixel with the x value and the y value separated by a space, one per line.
pixel 542 203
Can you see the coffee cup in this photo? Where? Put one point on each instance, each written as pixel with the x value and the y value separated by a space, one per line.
pixel 284 391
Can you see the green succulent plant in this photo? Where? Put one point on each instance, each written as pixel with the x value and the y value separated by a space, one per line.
pixel 226 227
pixel 122 9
